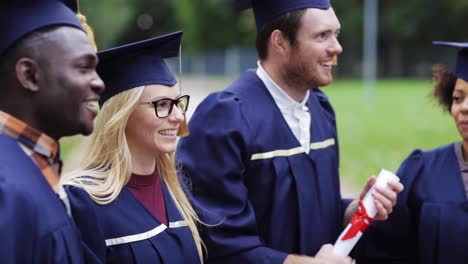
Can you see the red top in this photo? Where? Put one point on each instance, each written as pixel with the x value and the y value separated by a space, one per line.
pixel 147 189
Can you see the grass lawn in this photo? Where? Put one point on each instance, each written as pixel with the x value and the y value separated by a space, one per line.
pixel 68 144
pixel 381 132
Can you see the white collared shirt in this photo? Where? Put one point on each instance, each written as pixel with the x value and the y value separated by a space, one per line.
pixel 296 114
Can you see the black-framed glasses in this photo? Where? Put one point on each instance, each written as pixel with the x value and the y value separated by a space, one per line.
pixel 163 107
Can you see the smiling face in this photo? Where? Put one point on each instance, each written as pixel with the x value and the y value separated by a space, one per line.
pixel 311 57
pixel 459 109
pixel 69 84
pixel 148 133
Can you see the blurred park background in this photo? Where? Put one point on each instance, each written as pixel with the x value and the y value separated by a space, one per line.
pixel 378 123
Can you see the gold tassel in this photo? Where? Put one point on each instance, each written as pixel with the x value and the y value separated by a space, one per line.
pixel 88 29
pixel 183 128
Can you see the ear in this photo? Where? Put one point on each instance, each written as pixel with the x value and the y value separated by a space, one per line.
pixel 279 43
pixel 27 72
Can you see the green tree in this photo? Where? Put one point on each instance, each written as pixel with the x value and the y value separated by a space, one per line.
pixel 107 18
pixel 406 28
pixel 213 24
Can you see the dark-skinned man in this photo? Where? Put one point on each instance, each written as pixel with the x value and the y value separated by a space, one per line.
pixel 49 89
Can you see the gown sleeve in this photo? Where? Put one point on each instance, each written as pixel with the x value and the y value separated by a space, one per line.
pixel 214 159
pixel 394 241
pixel 29 234
pixel 330 114
pixel 13 223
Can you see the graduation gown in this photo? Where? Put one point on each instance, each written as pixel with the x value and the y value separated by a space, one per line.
pixel 429 224
pixel 126 232
pixel 251 179
pixel 34 225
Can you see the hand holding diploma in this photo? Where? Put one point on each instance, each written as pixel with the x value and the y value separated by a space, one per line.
pixel 379 199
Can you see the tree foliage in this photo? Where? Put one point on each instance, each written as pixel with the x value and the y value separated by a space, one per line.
pixel 404 26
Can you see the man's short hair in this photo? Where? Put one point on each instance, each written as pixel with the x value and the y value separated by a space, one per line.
pixel 28 46
pixel 288 23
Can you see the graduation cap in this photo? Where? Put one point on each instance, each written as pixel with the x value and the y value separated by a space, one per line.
pixel 137 64
pixel 461 66
pixel 75 6
pixel 266 10
pixel 21 17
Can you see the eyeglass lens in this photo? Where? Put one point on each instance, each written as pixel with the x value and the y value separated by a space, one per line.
pixel 163 107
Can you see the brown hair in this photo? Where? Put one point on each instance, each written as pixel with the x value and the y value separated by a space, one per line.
pixel 288 23
pixel 444 83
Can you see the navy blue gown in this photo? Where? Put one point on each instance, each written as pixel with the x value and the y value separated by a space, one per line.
pixel 262 194
pixel 124 231
pixel 34 225
pixel 429 225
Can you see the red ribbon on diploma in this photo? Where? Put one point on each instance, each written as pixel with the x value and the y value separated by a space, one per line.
pixel 359 223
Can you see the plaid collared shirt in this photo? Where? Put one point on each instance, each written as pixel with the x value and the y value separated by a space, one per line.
pixel 42 149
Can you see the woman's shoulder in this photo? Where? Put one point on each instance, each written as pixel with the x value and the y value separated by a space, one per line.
pixel 434 153
pixel 425 161
pixel 87 220
pixel 76 191
pixel 80 200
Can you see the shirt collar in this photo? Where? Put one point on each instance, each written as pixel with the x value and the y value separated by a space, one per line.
pixel 282 99
pixel 28 136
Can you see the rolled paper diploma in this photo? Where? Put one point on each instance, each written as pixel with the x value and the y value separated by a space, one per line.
pixel 363 216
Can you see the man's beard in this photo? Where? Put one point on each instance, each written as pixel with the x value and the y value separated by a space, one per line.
pixel 298 75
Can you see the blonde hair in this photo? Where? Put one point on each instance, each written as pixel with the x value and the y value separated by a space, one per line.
pixel 106 168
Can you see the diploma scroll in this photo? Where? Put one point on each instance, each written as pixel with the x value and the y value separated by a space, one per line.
pixel 363 216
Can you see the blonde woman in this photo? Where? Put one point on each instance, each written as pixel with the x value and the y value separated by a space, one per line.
pixel 127 199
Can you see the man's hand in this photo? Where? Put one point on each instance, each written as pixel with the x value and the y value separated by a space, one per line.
pixel 384 198
pixel 324 256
